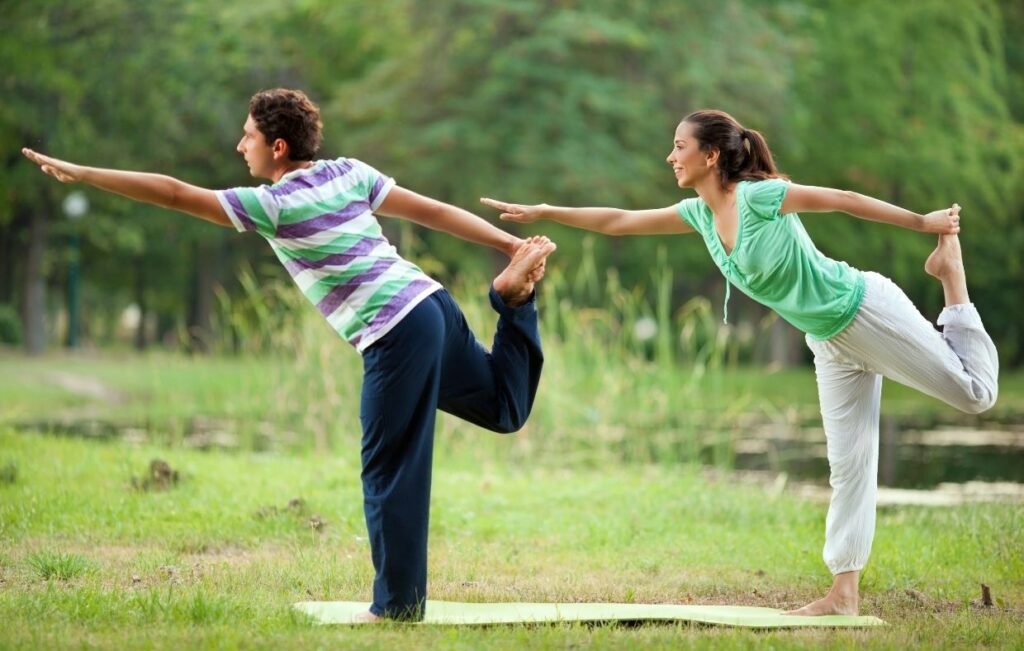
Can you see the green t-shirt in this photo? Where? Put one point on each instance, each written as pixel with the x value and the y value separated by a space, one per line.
pixel 775 263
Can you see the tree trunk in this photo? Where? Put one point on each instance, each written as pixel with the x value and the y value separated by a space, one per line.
pixel 786 346
pixel 201 301
pixel 8 232
pixel 140 300
pixel 34 312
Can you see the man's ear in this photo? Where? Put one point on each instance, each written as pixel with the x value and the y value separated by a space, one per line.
pixel 280 149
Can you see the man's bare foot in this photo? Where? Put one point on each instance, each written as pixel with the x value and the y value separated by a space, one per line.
pixel 366 617
pixel 947 264
pixel 515 284
pixel 842 599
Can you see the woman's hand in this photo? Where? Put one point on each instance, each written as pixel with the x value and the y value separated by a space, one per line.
pixel 63 171
pixel 945 221
pixel 515 212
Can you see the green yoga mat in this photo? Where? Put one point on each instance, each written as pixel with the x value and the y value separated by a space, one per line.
pixel 450 612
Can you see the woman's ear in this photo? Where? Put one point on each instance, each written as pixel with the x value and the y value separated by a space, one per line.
pixel 711 157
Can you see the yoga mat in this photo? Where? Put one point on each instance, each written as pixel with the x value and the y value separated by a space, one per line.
pixel 450 612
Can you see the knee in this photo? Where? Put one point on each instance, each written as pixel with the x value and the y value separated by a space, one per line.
pixel 509 426
pixel 983 399
pixel 981 403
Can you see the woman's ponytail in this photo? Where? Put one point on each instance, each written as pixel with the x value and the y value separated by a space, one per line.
pixel 743 154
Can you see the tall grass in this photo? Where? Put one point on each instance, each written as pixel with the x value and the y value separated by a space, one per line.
pixel 626 378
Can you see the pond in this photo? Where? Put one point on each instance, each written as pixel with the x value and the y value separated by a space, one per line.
pixel 908 458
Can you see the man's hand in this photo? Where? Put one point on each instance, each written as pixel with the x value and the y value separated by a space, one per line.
pixel 944 222
pixel 63 171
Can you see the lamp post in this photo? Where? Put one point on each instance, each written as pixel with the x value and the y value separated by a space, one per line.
pixel 75 205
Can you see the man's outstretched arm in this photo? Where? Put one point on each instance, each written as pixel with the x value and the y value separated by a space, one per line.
pixel 158 189
pixel 406 204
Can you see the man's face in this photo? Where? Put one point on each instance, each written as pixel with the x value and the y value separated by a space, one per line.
pixel 258 154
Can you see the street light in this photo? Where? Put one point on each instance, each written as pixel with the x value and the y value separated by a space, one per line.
pixel 75 205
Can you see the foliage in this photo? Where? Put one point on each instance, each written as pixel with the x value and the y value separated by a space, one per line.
pixel 10 325
pixel 566 102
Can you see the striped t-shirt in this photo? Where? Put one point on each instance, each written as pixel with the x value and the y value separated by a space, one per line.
pixel 320 223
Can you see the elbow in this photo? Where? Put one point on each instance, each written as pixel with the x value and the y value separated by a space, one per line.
pixel 617 226
pixel 173 194
pixel 849 200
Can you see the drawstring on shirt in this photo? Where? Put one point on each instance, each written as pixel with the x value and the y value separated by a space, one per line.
pixel 729 265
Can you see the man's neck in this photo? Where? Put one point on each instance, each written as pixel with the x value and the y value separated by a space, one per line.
pixel 290 167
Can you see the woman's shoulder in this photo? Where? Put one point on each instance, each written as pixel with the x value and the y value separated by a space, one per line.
pixel 763 197
pixel 694 211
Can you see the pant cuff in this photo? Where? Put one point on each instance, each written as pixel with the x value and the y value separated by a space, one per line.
pixel 526 309
pixel 846 567
pixel 961 314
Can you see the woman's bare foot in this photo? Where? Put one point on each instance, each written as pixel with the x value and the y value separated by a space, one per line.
pixel 366 617
pixel 842 599
pixel 515 284
pixel 947 264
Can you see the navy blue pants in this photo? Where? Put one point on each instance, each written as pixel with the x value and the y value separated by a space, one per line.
pixel 430 361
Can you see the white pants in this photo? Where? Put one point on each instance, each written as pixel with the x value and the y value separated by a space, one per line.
pixel 890 338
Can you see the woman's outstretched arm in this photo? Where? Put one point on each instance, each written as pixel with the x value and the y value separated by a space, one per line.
pixel 809 198
pixel 609 221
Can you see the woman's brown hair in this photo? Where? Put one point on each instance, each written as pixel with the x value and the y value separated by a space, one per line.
pixel 743 154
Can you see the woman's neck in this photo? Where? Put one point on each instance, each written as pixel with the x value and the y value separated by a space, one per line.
pixel 717 198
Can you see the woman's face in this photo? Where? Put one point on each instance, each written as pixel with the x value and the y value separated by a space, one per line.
pixel 688 162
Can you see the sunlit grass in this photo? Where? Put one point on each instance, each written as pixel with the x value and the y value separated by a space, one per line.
pixel 218 559
pixel 57 565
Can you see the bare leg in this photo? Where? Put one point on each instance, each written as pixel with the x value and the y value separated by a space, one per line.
pixel 946 263
pixel 842 599
pixel 366 618
pixel 515 283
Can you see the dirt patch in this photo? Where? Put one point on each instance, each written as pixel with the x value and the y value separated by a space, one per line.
pixel 87 387
pixel 161 477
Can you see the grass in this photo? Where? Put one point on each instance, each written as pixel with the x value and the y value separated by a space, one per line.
pixel 597 499
pixel 620 409
pixel 57 565
pixel 607 395
pixel 87 560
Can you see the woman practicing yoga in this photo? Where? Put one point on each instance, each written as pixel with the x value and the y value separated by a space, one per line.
pixel 859 325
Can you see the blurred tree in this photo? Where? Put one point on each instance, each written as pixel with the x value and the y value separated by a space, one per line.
pixel 564 102
pixel 560 101
pixel 909 102
pixel 155 87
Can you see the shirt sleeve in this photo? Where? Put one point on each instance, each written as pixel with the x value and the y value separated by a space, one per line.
pixel 764 198
pixel 375 186
pixel 689 210
pixel 250 209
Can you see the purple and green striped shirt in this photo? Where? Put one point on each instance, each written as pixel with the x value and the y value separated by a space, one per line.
pixel 320 223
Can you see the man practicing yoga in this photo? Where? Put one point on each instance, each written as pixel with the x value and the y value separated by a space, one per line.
pixel 860 326
pixel 419 354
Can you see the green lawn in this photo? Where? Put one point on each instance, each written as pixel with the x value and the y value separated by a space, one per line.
pixel 215 561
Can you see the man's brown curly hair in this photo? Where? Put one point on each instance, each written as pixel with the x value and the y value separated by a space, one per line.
pixel 291 116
